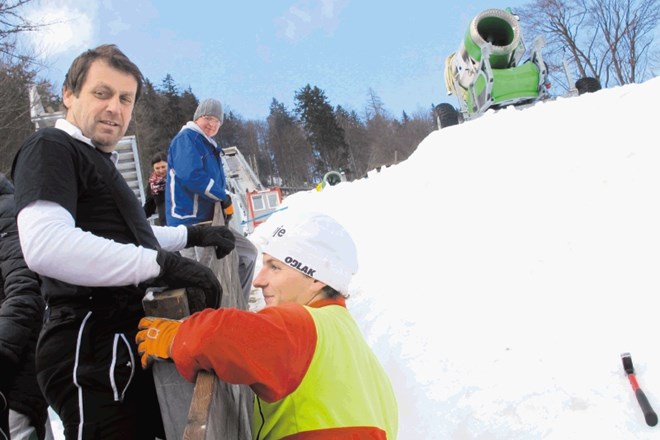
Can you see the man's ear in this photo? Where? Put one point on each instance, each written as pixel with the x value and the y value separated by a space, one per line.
pixel 67 96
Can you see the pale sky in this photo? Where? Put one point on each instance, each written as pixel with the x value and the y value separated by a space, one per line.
pixel 247 53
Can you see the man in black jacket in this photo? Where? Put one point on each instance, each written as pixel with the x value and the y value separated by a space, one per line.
pixel 85 233
pixel 21 315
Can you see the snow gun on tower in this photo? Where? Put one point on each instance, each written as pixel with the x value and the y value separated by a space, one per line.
pixel 485 72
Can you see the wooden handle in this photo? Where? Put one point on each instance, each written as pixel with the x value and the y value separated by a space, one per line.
pixel 198 414
pixel 205 382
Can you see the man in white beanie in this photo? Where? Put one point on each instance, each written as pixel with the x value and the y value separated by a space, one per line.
pixel 196 181
pixel 313 374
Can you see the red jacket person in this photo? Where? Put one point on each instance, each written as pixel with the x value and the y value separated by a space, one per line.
pixel 313 374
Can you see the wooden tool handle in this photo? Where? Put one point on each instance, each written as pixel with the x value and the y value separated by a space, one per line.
pixel 198 414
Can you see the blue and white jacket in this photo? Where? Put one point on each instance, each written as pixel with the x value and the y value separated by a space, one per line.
pixel 195 177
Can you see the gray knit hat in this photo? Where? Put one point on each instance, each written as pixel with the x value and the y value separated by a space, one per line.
pixel 209 107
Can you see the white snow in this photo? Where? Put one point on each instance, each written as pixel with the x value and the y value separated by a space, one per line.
pixel 507 265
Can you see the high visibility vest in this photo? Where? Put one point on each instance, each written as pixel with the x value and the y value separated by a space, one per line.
pixel 345 387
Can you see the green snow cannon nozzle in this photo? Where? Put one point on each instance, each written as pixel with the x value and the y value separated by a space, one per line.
pixel 497 27
pixel 484 72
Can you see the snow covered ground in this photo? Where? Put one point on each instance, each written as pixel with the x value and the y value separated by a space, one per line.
pixel 507 265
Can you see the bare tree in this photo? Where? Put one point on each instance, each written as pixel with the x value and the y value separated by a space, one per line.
pixel 252 143
pixel 606 39
pixel 261 158
pixel 380 128
pixel 374 107
pixel 627 27
pixel 355 133
pixel 410 131
pixel 15 123
pixel 12 23
pixel 18 72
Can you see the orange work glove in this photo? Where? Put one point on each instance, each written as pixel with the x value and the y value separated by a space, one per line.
pixel 227 208
pixel 155 339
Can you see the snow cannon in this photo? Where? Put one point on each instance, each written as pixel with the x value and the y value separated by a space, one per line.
pixel 484 72
pixel 331 178
pixel 498 29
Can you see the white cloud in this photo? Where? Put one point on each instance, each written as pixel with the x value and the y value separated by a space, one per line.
pixel 120 17
pixel 328 7
pixel 117 26
pixel 68 27
pixel 304 17
pixel 289 30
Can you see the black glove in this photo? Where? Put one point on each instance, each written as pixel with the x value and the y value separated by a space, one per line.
pixel 179 272
pixel 227 208
pixel 219 236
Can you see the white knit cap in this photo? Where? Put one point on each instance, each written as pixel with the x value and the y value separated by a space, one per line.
pixel 316 245
pixel 209 107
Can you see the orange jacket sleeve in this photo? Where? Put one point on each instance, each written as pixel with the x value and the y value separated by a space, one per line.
pixel 269 350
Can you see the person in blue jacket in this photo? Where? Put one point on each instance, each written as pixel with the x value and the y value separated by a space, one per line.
pixel 196 182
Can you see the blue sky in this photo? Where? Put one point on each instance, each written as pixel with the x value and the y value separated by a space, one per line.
pixel 247 53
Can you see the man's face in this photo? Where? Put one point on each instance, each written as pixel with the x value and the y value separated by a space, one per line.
pixel 103 108
pixel 282 284
pixel 210 125
pixel 160 168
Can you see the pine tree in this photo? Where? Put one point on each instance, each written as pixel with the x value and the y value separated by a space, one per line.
pixel 291 152
pixel 322 130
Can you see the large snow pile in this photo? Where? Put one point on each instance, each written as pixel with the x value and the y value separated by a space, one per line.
pixel 507 264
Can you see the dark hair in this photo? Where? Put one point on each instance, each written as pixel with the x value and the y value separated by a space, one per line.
pixel 330 292
pixel 110 53
pixel 158 157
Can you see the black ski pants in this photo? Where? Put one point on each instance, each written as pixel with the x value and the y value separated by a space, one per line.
pixel 89 371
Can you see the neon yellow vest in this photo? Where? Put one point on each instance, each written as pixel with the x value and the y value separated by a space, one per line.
pixel 344 386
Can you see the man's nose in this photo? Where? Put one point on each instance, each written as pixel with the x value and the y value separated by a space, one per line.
pixel 258 281
pixel 113 104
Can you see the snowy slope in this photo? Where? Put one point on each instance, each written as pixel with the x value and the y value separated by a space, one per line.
pixel 507 264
